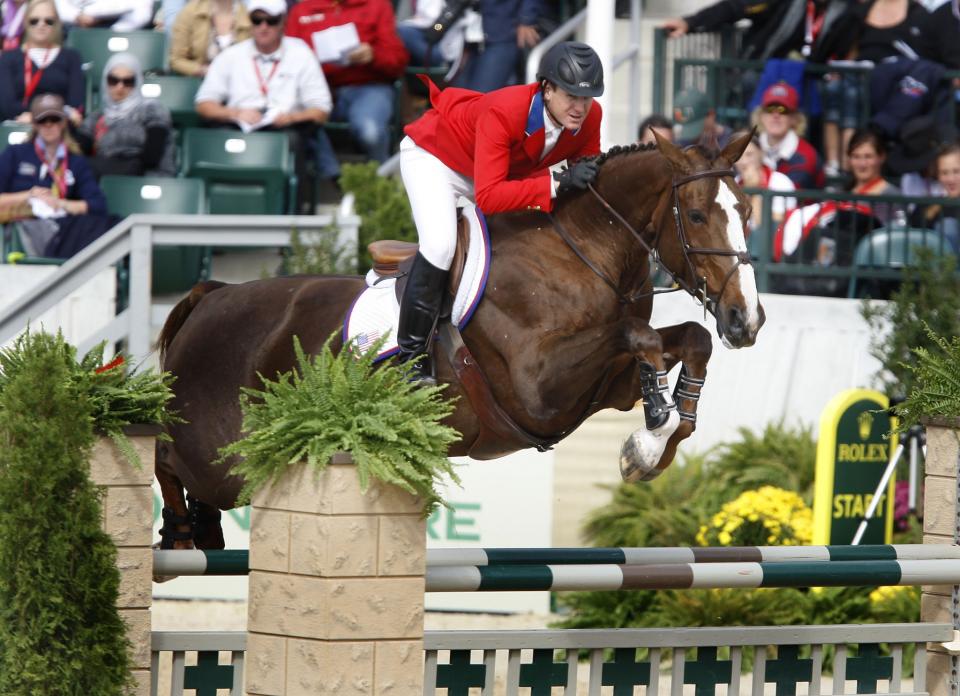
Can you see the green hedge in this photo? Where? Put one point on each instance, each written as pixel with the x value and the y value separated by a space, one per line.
pixel 60 632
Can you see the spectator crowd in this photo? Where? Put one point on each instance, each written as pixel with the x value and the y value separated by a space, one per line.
pixel 327 74
pixel 848 96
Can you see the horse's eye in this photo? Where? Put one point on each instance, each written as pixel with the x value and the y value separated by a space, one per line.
pixel 696 217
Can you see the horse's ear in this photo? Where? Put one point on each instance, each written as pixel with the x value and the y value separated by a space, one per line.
pixel 737 145
pixel 673 154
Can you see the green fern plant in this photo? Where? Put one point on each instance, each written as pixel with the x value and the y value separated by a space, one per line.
pixel 118 397
pixel 936 382
pixel 331 403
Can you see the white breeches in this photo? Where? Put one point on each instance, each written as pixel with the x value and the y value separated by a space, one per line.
pixel 433 189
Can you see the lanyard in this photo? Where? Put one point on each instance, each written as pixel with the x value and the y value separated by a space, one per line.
pixel 264 84
pixel 56 169
pixel 869 187
pixel 812 27
pixel 30 81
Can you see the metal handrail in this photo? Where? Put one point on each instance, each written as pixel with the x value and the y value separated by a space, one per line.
pixel 134 238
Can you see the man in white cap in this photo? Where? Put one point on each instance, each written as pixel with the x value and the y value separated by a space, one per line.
pixel 269 81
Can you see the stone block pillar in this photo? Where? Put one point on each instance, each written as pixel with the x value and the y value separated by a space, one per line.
pixel 335 602
pixel 941 525
pixel 128 519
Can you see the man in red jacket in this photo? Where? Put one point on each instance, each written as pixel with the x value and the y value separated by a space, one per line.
pixel 361 75
pixel 495 148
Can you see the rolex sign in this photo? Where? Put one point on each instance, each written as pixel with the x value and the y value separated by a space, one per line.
pixel 852 454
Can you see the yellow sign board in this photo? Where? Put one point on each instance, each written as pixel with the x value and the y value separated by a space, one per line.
pixel 852 454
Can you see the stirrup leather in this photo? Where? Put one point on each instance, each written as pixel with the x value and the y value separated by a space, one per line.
pixel 688 388
pixel 656 399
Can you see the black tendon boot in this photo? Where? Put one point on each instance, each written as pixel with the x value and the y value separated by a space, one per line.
pixel 419 311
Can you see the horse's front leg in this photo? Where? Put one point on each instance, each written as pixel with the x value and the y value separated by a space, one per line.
pixel 691 345
pixel 627 351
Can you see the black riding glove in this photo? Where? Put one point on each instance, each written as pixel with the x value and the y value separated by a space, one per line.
pixel 578 176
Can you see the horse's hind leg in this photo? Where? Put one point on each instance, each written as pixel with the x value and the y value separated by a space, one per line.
pixel 205 524
pixel 175 532
pixel 691 345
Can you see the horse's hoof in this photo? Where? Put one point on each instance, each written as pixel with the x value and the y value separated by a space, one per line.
pixel 641 453
pixel 162 578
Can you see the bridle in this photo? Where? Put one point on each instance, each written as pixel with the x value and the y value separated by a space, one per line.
pixel 698 291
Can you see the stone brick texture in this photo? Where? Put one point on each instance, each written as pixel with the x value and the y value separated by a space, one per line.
pixel 939 526
pixel 335 603
pixel 128 519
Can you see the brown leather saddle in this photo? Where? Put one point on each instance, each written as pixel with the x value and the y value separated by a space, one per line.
pixel 392 259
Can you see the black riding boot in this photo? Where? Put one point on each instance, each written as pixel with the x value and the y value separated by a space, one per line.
pixel 419 310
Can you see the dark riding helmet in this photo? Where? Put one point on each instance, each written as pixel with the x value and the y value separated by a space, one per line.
pixel 574 67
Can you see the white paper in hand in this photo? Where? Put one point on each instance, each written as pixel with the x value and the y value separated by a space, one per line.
pixel 42 209
pixel 334 43
pixel 266 120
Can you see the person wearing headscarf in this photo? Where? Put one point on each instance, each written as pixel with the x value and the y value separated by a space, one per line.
pixel 130 134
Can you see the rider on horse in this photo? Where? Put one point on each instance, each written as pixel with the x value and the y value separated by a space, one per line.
pixel 496 149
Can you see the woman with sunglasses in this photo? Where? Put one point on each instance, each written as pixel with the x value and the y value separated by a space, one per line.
pixel 42 65
pixel 129 135
pixel 45 172
pixel 781 127
pixel 202 30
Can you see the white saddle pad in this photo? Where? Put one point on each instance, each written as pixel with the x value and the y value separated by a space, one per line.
pixel 376 311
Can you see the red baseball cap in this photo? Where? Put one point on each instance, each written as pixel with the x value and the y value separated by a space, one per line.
pixel 783 94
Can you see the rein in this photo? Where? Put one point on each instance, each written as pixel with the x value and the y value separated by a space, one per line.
pixel 700 290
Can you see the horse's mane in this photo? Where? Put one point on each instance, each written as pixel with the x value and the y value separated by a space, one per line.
pixel 617 150
pixel 707 150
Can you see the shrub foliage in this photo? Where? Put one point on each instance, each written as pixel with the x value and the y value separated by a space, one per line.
pixel 332 403
pixel 936 382
pixel 381 202
pixel 930 294
pixel 60 632
pixel 755 490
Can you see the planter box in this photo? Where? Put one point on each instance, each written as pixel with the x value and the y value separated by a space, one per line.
pixel 128 519
pixel 941 517
pixel 335 604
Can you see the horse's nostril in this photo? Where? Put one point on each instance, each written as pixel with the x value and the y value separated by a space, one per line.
pixel 735 322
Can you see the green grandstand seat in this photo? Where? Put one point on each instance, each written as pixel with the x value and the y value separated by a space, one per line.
pixel 175 269
pixel 176 92
pixel 245 174
pixel 13 133
pixel 96 46
pixel 894 248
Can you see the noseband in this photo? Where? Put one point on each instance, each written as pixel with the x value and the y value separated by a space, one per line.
pixel 699 290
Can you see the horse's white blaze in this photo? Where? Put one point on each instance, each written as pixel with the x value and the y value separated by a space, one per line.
pixel 738 242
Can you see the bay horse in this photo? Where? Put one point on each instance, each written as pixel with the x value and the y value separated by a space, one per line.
pixel 561 332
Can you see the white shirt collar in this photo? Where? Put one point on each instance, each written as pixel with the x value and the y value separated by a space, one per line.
pixel 783 150
pixel 551 133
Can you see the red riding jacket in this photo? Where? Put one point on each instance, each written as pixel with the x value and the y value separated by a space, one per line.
pixel 376 25
pixel 497 138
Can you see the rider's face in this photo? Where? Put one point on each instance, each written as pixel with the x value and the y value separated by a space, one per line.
pixel 564 108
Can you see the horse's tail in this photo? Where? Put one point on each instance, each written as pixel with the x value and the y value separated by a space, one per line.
pixel 179 314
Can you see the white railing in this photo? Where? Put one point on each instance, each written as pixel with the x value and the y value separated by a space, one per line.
pixel 135 238
pixel 662 659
